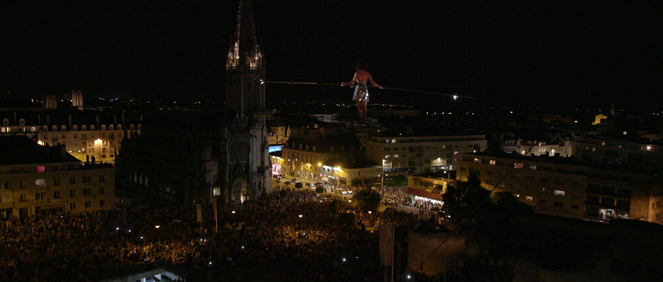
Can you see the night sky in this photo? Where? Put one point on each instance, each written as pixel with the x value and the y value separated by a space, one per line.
pixel 535 53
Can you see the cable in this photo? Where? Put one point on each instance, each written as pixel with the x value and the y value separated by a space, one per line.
pixel 476 208
pixel 455 96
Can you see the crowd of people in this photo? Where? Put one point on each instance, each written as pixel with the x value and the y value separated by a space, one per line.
pixel 298 235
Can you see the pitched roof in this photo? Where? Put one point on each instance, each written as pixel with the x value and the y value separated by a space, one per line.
pixel 16 150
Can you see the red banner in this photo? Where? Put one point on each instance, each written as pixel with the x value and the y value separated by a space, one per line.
pixel 387 235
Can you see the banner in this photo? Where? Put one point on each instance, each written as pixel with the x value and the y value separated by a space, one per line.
pixel 387 236
pixel 214 205
pixel 199 213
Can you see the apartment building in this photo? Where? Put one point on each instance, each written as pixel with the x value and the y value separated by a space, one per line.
pixel 564 187
pixel 84 134
pixel 319 156
pixel 46 180
pixel 418 154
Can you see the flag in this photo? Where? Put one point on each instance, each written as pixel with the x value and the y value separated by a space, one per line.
pixel 199 213
pixel 214 205
pixel 387 235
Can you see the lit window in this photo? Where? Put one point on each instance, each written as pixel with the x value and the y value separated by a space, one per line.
pixel 529 198
pixel 492 162
pixel 40 182
pixel 559 193
pixel 216 191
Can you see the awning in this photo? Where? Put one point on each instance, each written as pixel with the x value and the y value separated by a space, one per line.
pixel 425 194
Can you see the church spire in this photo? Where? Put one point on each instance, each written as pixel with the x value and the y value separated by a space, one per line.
pixel 244 50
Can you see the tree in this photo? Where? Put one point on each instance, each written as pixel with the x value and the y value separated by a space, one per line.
pixel 319 190
pixel 508 203
pixel 464 201
pixel 368 199
pixel 299 185
pixel 400 180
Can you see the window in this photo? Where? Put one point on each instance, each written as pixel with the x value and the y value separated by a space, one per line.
pixel 87 191
pixel 40 182
pixel 40 168
pixel 72 206
pixel 492 162
pixel 87 179
pixel 542 190
pixel 56 181
pixel 102 203
pixel 72 193
pixel 558 204
pixel 518 165
pixel 532 167
pixel 529 198
pixel 102 190
pixel 7 185
pixel 575 207
pixel 559 192
pixel 544 180
pixel 24 184
pixel 542 201
pixel 56 194
pixel 23 198
pixel 88 204
pixel 39 196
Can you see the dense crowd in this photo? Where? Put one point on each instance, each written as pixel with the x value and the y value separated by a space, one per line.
pixel 267 235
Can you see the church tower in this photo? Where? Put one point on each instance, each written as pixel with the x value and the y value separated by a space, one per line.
pixel 248 168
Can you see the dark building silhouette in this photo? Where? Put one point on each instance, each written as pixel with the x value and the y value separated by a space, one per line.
pixel 209 154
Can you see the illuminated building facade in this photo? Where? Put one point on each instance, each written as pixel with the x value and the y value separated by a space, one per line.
pixel 46 180
pixel 85 134
pixel 333 157
pixel 563 187
pixel 417 154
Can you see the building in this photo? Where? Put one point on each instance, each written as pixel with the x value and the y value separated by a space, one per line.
pixel 611 150
pixel 214 154
pixel 38 179
pixel 427 189
pixel 418 154
pixel 322 156
pixel 564 187
pixel 84 134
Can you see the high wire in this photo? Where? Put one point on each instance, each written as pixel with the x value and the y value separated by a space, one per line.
pixel 476 208
pixel 454 96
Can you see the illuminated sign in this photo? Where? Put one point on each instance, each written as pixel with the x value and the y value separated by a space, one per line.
pixel 275 149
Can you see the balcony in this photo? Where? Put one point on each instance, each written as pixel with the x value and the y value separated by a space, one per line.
pixel 6 205
pixel 41 188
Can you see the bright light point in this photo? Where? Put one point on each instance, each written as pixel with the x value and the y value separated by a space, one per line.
pixel 409 277
pixel 370 212
pixel 117 228
pixel 242 247
pixel 301 215
pixel 233 211
pixel 129 230
pixel 455 97
pixel 343 259
pixel 40 143
pixel 210 263
pixel 157 226
pixel 141 237
pixel 350 201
